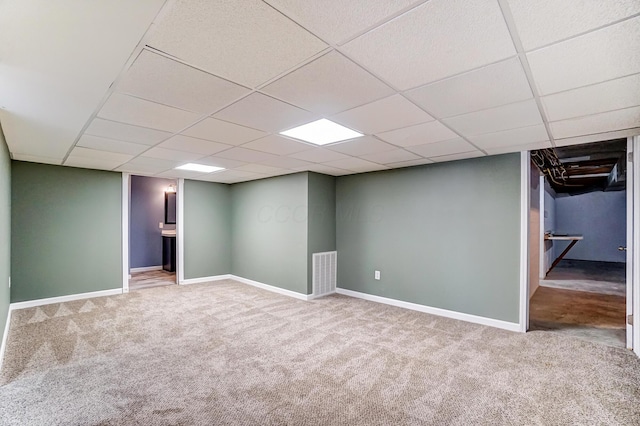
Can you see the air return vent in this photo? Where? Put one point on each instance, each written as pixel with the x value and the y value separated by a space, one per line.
pixel 325 267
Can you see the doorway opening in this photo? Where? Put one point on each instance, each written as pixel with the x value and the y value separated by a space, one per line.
pixel 152 232
pixel 578 236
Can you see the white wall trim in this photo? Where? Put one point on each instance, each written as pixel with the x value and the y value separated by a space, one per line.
pixel 61 299
pixel 505 325
pixel 146 269
pixel 525 176
pixel 274 289
pixel 126 194
pixel 206 279
pixel 5 337
pixel 635 246
pixel 180 231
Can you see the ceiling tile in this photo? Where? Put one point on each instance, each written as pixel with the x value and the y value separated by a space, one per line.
pixel 547 21
pixel 610 95
pixel 385 114
pixel 177 174
pixel 454 146
pixel 324 169
pixel 355 165
pixel 91 163
pixel 265 113
pixel 506 117
pixel 225 163
pixel 361 146
pixel 274 144
pixel 410 163
pixel 261 168
pixel 195 145
pixel 328 85
pixel 518 148
pixel 388 157
pixel 230 176
pixel 520 136
pixel 418 135
pixel 598 123
pixel 592 58
pixel 433 41
pixel 171 154
pixel 247 42
pixel 285 162
pixel 169 82
pixel 245 155
pixel 455 157
pixel 149 165
pixel 111 145
pixel 338 20
pixel 598 137
pixel 81 152
pixel 125 132
pixel 35 159
pixel 221 131
pixel 487 87
pixel 130 110
pixel 319 155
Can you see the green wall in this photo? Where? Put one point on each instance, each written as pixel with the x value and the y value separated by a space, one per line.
pixel 5 230
pixel 66 231
pixel 322 219
pixel 269 237
pixel 207 229
pixel 443 235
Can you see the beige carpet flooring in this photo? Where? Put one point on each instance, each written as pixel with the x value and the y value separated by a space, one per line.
pixel 228 354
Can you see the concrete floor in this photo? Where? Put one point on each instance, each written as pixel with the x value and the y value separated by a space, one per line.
pixel 582 299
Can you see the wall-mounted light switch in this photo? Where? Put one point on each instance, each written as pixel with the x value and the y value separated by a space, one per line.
pixel 161 225
pixel 377 275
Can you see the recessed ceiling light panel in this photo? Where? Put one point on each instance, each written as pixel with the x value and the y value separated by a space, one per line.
pixel 201 168
pixel 321 132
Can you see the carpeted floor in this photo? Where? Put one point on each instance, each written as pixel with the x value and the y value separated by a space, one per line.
pixel 226 353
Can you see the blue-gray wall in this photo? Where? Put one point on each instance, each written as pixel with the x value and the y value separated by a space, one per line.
pixel 601 218
pixel 207 229
pixel 269 219
pixel 146 212
pixel 321 235
pixel 5 230
pixel 66 234
pixel 443 235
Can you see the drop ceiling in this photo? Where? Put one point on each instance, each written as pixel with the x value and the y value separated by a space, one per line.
pixel 143 87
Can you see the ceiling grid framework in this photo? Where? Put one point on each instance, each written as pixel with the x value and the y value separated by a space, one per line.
pixel 215 82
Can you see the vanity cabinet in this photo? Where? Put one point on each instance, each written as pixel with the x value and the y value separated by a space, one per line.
pixel 169 253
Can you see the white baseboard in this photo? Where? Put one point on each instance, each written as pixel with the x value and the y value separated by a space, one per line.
pixel 274 289
pixel 5 336
pixel 206 279
pixel 511 326
pixel 146 269
pixel 61 299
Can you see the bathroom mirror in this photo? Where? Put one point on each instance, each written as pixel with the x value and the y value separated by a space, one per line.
pixel 170 208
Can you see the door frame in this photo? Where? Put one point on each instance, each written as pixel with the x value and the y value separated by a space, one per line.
pixel 633 243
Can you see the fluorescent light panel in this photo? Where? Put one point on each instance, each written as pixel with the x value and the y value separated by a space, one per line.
pixel 321 132
pixel 193 167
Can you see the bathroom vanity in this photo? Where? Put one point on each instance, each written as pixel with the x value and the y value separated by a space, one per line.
pixel 169 250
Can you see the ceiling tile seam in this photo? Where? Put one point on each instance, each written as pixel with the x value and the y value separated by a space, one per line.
pixel 594 114
pixel 190 65
pixel 134 55
pixel 382 22
pixel 448 117
pixel 608 132
pixel 113 139
pixel 592 30
pixel 524 62
pixel 590 85
pixel 379 140
pixel 408 99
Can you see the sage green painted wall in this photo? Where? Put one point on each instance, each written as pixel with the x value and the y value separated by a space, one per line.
pixel 207 229
pixel 443 235
pixel 5 230
pixel 269 220
pixel 322 219
pixel 66 231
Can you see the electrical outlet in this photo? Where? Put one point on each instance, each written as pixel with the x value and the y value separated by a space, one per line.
pixel 161 225
pixel 376 275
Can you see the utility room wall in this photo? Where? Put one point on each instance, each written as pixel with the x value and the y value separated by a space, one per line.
pixel 600 217
pixel 147 211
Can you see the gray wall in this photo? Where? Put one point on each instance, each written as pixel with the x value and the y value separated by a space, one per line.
pixel 269 219
pixel 5 230
pixel 443 235
pixel 147 211
pixel 600 217
pixel 322 219
pixel 207 229
pixel 66 231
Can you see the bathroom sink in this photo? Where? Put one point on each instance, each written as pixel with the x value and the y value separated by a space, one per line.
pixel 169 233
